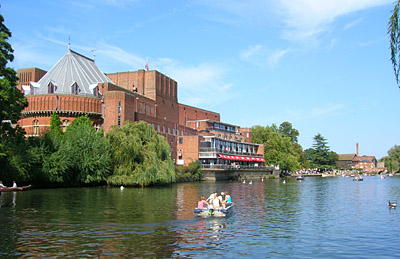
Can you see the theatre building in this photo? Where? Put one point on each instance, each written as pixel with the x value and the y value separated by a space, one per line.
pixel 75 86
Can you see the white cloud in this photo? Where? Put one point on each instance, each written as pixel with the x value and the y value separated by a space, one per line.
pixel 120 55
pixel 305 19
pixel 352 24
pixel 203 85
pixel 263 56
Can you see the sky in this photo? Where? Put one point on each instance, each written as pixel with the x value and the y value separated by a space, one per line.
pixel 323 66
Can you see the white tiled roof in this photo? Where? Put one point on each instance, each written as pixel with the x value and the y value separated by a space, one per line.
pixel 72 68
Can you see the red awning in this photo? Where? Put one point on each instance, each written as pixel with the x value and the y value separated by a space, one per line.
pixel 242 158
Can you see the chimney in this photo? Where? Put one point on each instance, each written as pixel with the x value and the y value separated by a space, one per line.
pixel 356 149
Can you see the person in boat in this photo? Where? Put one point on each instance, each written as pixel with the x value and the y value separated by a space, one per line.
pixel 225 199
pixel 14 184
pixel 202 202
pixel 216 202
pixel 1 185
pixel 212 196
pixel 228 198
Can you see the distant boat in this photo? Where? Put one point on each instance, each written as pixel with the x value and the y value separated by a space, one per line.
pixel 300 177
pixel 358 178
pixel 383 176
pixel 328 175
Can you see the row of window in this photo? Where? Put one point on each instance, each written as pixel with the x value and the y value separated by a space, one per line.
pixel 51 88
pixel 64 125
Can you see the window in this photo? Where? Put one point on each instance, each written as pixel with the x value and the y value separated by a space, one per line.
pixel 173 132
pixel 35 128
pixel 169 130
pixel 163 129
pixel 75 88
pixel 51 88
pixel 96 92
pixel 119 120
pixel 152 125
pixel 180 140
pixel 65 124
pixel 158 127
pixel 177 132
pixel 119 107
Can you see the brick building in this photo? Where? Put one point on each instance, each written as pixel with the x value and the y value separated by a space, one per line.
pixel 75 86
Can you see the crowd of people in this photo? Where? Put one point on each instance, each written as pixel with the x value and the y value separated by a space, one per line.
pixel 215 201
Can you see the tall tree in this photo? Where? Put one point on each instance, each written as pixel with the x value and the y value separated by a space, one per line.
pixel 12 102
pixel 287 130
pixel 320 154
pixel 394 35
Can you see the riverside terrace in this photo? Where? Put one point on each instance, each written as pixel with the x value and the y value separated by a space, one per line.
pixel 230 172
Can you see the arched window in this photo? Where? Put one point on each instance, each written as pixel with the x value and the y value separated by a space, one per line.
pixel 65 124
pixel 75 88
pixel 35 131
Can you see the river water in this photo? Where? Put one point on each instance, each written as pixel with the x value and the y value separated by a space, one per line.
pixel 313 218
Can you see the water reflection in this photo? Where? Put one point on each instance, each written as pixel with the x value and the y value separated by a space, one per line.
pixel 317 217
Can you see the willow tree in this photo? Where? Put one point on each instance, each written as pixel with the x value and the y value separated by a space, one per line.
pixel 140 156
pixel 394 35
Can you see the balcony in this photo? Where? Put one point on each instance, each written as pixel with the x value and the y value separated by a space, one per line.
pixel 214 151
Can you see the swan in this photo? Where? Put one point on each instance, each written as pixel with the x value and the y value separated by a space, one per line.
pixel 284 181
pixel 251 182
pixel 244 181
pixel 122 187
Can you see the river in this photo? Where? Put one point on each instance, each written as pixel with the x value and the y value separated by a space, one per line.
pixel 313 218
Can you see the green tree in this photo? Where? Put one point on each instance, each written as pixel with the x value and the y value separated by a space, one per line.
pixel 279 149
pixel 394 35
pixel 82 156
pixel 287 130
pixel 392 161
pixel 320 154
pixel 12 102
pixel 140 156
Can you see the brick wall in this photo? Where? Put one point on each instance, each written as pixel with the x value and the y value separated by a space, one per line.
pixel 189 113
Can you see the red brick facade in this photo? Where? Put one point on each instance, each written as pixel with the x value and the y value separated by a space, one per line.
pixel 141 95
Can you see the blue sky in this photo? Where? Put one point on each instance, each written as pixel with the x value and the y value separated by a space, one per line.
pixel 324 66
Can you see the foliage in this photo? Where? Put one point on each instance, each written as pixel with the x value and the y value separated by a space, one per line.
pixel 392 161
pixel 287 130
pixel 82 156
pixel 280 148
pixel 394 35
pixel 12 102
pixel 140 156
pixel 188 173
pixel 320 154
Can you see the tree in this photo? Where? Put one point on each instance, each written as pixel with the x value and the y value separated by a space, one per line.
pixel 140 156
pixel 320 154
pixel 12 102
pixel 392 161
pixel 394 35
pixel 287 130
pixel 279 149
pixel 82 156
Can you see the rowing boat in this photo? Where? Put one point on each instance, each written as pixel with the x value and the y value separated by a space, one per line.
pixel 210 212
pixel 15 189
